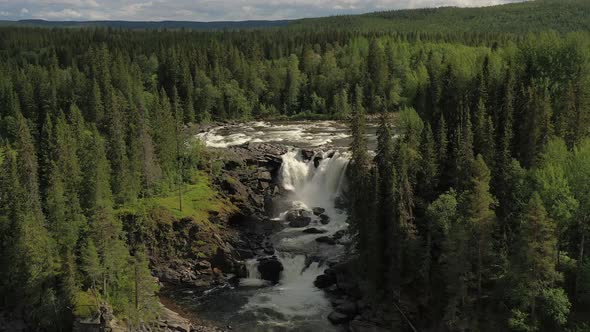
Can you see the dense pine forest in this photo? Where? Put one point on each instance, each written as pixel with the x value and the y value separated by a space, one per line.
pixel 475 212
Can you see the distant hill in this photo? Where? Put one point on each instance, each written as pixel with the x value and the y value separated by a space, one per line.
pixel 523 17
pixel 220 25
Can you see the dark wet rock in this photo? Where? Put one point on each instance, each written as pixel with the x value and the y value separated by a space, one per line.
pixel 270 268
pixel 324 219
pixel 339 234
pixel 324 281
pixel 318 210
pixel 337 318
pixel 314 230
pixel 298 218
pixel 294 214
pixel 317 160
pixel 326 240
pixel 300 222
pixel 307 154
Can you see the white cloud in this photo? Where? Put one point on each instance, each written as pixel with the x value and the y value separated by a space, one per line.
pixel 24 11
pixel 64 14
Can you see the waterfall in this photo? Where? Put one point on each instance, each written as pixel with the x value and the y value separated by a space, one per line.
pixel 295 295
pixel 312 186
pixel 294 303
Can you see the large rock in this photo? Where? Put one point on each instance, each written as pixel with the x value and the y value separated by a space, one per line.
pixel 326 240
pixel 324 219
pixel 314 230
pixel 307 154
pixel 298 218
pixel 300 222
pixel 318 210
pixel 317 160
pixel 270 268
pixel 324 280
pixel 337 318
pixel 339 234
pixel 294 214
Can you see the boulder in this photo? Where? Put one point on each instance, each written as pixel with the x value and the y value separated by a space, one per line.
pixel 318 210
pixel 270 268
pixel 337 318
pixel 339 234
pixel 324 219
pixel 324 280
pixel 317 160
pixel 300 222
pixel 326 240
pixel 307 154
pixel 314 230
pixel 294 214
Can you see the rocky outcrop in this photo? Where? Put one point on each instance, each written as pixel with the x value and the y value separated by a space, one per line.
pixel 298 218
pixel 350 309
pixel 270 268
pixel 318 211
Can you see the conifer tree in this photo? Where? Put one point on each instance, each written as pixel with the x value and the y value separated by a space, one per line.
pixel 428 169
pixel 359 173
pixel 469 250
pixel 535 272
pixel 384 227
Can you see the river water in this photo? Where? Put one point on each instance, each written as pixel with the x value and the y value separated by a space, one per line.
pixel 294 304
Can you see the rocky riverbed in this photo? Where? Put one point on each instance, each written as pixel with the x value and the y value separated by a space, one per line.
pixel 273 255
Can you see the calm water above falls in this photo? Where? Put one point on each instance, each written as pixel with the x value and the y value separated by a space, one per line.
pixel 294 304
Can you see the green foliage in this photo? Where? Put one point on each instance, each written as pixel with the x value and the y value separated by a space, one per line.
pixel 530 16
pixel 93 123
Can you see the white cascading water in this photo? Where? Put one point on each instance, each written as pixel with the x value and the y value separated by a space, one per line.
pixel 295 297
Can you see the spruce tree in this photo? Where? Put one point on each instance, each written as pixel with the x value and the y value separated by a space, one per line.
pixel 535 272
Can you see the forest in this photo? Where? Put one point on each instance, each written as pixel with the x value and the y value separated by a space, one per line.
pixel 475 210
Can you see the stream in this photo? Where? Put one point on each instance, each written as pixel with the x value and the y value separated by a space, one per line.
pixel 294 303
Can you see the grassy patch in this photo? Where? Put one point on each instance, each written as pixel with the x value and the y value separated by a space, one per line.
pixel 198 200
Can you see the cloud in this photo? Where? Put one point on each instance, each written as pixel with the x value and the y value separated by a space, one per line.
pixel 210 10
pixel 64 14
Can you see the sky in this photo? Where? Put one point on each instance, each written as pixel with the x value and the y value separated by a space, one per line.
pixel 209 10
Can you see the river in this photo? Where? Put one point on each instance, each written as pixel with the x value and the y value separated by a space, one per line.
pixel 293 304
